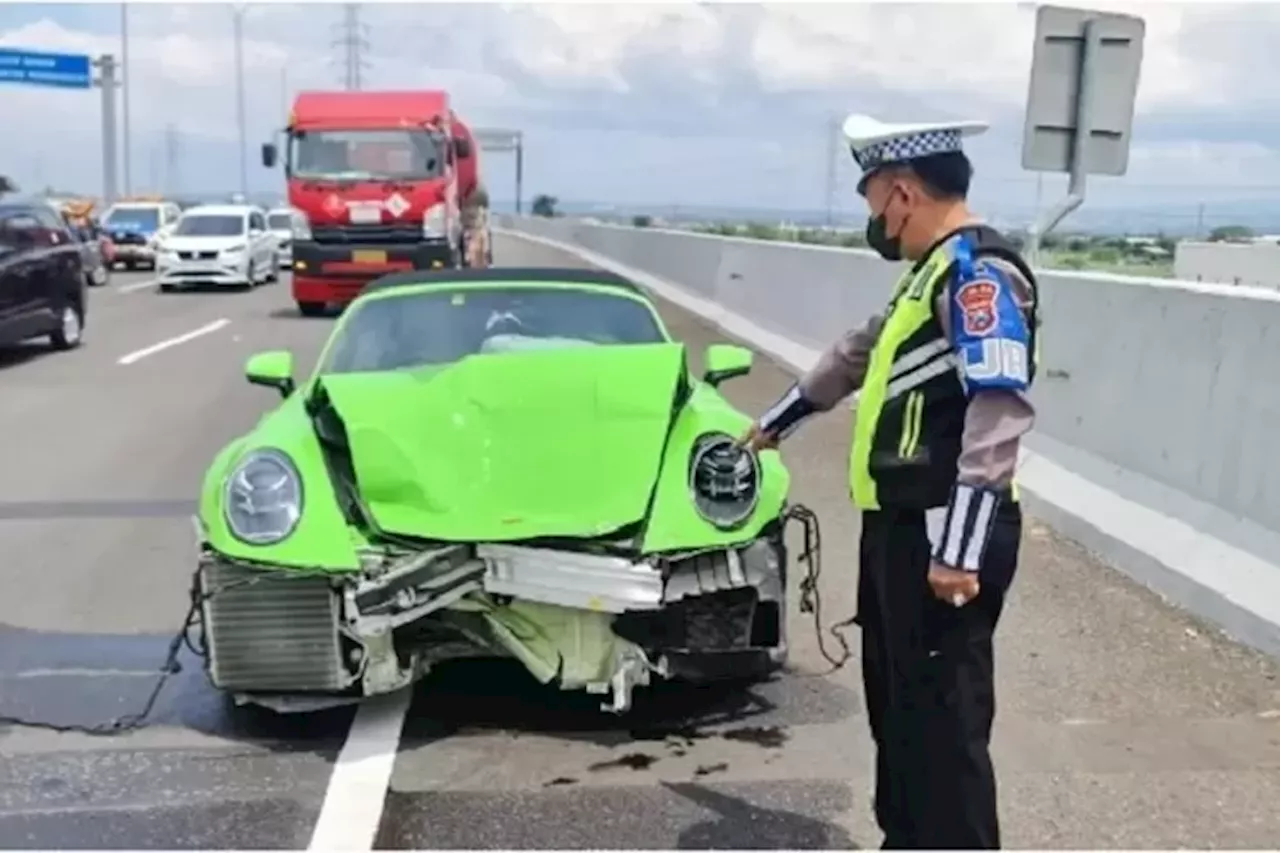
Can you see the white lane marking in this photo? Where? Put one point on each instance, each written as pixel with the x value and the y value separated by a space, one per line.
pixel 352 808
pixel 136 355
pixel 138 285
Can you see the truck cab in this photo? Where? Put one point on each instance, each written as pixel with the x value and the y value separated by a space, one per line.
pixel 376 176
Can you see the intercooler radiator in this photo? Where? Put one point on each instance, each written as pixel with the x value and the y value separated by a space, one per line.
pixel 267 631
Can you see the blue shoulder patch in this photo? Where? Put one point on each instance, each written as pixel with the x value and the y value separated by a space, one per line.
pixel 988 329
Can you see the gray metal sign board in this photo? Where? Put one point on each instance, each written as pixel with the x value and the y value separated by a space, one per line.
pixel 496 139
pixel 1085 56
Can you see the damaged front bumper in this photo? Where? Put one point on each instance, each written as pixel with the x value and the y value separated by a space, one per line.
pixel 295 640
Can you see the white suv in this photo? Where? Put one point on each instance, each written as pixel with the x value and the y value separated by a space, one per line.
pixel 220 244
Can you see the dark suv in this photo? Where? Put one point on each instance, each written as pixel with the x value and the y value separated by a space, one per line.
pixel 42 276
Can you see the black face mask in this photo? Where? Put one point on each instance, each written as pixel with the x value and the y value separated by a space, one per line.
pixel 889 248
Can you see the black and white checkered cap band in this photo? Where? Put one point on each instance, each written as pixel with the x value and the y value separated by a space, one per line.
pixel 904 148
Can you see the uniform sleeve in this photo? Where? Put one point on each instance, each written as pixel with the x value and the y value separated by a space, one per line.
pixel 838 372
pixel 985 312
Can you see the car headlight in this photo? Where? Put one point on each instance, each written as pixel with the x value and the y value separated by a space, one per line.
pixel 435 222
pixel 262 501
pixel 724 480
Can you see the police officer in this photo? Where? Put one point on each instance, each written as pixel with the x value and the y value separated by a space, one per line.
pixel 942 377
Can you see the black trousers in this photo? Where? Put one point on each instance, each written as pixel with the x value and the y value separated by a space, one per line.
pixel 928 675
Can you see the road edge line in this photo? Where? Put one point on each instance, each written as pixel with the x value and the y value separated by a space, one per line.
pixel 1159 550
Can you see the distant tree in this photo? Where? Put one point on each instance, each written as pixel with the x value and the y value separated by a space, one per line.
pixel 1105 255
pixel 545 205
pixel 641 220
pixel 760 231
pixel 853 240
pixel 1226 233
pixel 6 185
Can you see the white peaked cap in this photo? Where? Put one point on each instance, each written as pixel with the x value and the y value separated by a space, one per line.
pixel 875 143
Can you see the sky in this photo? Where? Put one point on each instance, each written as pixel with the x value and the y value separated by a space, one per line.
pixel 678 105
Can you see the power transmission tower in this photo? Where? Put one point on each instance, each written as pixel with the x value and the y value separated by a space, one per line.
pixel 351 39
pixel 171 144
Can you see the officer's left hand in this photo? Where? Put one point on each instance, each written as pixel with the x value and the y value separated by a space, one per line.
pixel 954 586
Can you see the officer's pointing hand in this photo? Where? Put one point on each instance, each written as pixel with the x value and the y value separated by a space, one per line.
pixel 757 439
pixel 954 586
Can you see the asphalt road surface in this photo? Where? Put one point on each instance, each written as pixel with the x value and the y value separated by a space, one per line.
pixel 1123 723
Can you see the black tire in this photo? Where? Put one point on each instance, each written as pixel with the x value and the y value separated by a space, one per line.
pixel 130 266
pixel 167 288
pixel 311 309
pixel 69 335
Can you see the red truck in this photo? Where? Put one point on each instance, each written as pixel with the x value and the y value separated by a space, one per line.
pixel 383 179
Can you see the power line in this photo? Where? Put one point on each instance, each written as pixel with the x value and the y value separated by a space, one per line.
pixel 351 39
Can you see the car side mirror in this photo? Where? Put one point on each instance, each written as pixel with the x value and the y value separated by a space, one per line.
pixel 726 361
pixel 269 155
pixel 273 368
pixel 462 148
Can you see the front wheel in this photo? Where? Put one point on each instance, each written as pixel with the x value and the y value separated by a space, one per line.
pixel 70 330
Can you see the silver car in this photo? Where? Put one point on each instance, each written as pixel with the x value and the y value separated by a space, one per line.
pixel 287 224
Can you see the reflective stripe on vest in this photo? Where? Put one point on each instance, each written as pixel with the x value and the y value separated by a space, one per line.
pixel 887 377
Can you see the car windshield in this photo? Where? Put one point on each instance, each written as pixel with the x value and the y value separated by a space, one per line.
pixel 367 154
pixel 280 222
pixel 133 219
pixel 210 225
pixel 444 326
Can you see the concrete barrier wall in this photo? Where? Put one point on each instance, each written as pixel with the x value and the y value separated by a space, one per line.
pixel 1172 380
pixel 1252 264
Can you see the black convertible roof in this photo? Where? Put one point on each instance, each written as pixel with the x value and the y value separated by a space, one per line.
pixel 568 275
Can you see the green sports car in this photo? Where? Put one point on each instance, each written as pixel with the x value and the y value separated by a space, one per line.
pixel 492 462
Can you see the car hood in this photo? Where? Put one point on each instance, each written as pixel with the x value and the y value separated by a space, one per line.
pixel 203 244
pixel 511 446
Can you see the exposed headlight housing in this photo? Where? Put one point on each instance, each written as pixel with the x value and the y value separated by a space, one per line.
pixel 262 500
pixel 435 222
pixel 724 480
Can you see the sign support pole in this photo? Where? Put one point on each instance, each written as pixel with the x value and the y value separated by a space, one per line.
pixel 106 65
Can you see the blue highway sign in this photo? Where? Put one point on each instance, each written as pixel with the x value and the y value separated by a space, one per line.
pixel 36 68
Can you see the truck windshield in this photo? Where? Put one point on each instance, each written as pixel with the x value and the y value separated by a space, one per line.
pixel 133 218
pixel 409 154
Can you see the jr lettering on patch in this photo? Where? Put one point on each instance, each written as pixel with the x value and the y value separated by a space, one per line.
pixel 977 301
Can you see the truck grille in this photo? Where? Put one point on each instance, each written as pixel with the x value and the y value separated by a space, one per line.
pixel 275 633
pixel 367 234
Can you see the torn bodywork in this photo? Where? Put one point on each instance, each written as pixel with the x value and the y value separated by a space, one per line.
pixel 587 620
